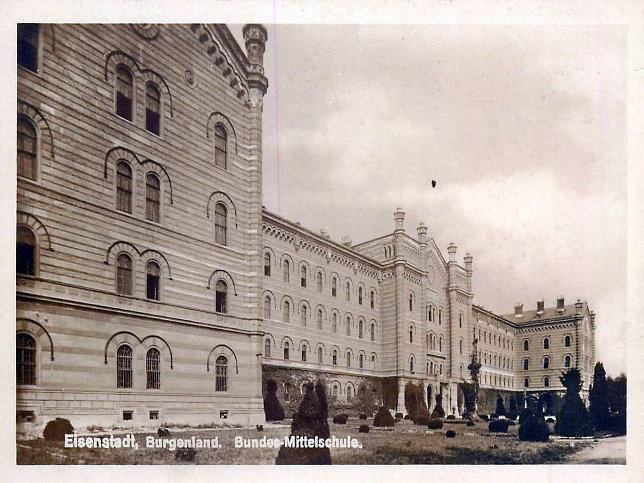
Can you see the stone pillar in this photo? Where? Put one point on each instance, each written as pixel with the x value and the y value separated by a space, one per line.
pixel 400 408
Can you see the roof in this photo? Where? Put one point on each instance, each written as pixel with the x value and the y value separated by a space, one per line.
pixel 551 314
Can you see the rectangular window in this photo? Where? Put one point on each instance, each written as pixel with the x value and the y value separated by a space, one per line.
pixel 127 415
pixel 154 414
pixel 28 46
pixel 153 287
pixel 152 199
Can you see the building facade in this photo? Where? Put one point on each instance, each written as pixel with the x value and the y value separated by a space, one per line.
pixel 153 287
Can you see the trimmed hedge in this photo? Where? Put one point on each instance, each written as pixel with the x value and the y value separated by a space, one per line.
pixel 383 418
pixel 435 424
pixel 498 426
pixel 56 429
pixel 470 422
pixel 533 427
pixel 363 428
pixel 363 416
pixel 512 416
pixel 273 409
pixel 450 433
pixel 163 432
pixel 340 419
pixel 451 416
pixel 398 415
pixel 483 417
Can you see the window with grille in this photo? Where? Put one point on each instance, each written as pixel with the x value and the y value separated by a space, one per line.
pixel 152 198
pixel 124 367
pixel 221 147
pixel 28 34
pixel 25 360
pixel 287 311
pixel 152 370
pixel 267 348
pixel 152 109
pixel 124 274
pixel 221 296
pixel 221 374
pixel 153 276
pixel 123 187
pixel 221 223
pixel 27 149
pixel 287 270
pixel 124 92
pixel 267 264
pixel 267 307
pixel 25 251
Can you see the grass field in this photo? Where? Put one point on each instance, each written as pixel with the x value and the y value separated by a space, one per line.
pixel 406 444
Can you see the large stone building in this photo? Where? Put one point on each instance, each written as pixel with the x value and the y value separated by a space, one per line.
pixel 152 285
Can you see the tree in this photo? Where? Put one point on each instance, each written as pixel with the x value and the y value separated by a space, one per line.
pixel 272 408
pixel 500 407
pixel 438 411
pixel 474 367
pixel 599 399
pixel 573 418
pixel 513 404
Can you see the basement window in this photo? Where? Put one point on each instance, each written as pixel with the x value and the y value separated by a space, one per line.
pixel 154 414
pixel 223 414
pixel 127 415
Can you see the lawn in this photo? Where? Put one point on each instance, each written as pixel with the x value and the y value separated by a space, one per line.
pixel 406 444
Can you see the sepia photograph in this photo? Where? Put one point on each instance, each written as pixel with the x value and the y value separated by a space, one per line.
pixel 334 242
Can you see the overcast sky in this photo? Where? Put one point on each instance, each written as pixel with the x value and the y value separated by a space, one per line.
pixel 523 128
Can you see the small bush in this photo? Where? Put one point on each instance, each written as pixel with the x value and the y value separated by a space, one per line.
pixel 260 427
pixel 363 428
pixel 618 423
pixel 435 424
pixel 451 416
pixel 533 427
pixel 512 416
pixel 398 415
pixel 438 413
pixel 273 410
pixel 163 432
pixel 340 419
pixel 420 417
pixel 494 416
pixel 470 422
pixel 363 416
pixel 483 417
pixel 407 417
pixel 57 429
pixel 185 454
pixel 498 426
pixel 383 418
pixel 450 433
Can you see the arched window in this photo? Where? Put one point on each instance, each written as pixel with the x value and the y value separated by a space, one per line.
pixel 411 335
pixel 124 187
pixel 287 312
pixel 303 315
pixel 373 332
pixel 221 223
pixel 221 374
pixel 267 348
pixel 348 291
pixel 152 370
pixel 319 318
pixel 267 264
pixel 319 281
pixel 546 362
pixel 411 302
pixel 526 382
pixel 221 147
pixel 124 366
pixel 526 345
pixel 567 341
pixel 152 108
pixel 124 274
pixel 546 381
pixel 361 359
pixel 430 313
pixel 267 307
pixel 25 251
pixel 567 362
pixel 440 316
pixel 373 362
pixel 348 359
pixel 360 329
pixel 221 297
pixel 546 343
pixel 25 360
pixel 440 344
pixel 348 325
pixel 360 295
pixel 349 391
pixel 319 355
pixel 335 357
pixel 287 271
pixel 153 276
pixel 152 198
pixel 460 346
pixel 411 365
pixel 124 92
pixel 372 299
pixel 335 391
pixel 460 321
pixel 27 149
pixel 526 363
pixel 286 350
pixel 334 287
pixel 304 353
pixel 303 277
pixel 28 40
pixel 335 323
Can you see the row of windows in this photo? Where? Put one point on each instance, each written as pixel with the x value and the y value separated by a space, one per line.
pixel 496 360
pixel 432 341
pixel 546 342
pixel 546 381
pixel 318 277
pixel 26 366
pixel 546 362
pixel 434 368
pixel 431 313
pixel 495 340
pixel 286 347
pixel 494 379
pixel 286 318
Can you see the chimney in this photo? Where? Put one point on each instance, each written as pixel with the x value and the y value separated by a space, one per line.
pixel 468 261
pixel 451 249
pixel 578 305
pixel 399 218
pixel 422 233
pixel 540 306
pixel 560 304
pixel 518 310
pixel 323 232
pixel 346 241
